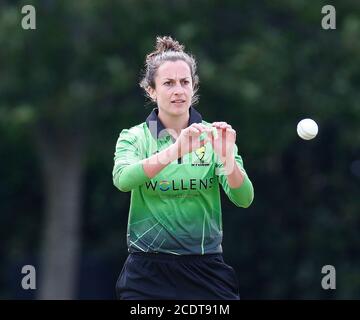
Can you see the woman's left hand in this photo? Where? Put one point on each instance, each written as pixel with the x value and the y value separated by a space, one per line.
pixel 224 144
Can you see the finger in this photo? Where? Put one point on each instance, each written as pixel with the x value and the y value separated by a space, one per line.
pixel 207 128
pixel 230 134
pixel 199 126
pixel 213 133
pixel 223 125
pixel 194 131
pixel 220 124
pixel 230 131
pixel 225 128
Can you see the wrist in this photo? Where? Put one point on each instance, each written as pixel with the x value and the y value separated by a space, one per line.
pixel 229 164
pixel 174 151
pixel 228 158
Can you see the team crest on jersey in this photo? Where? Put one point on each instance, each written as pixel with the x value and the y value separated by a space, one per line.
pixel 200 153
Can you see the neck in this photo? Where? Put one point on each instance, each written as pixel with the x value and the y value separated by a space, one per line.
pixel 175 123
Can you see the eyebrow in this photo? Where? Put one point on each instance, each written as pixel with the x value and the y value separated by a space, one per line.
pixel 174 79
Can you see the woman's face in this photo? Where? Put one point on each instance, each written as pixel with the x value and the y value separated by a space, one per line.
pixel 173 88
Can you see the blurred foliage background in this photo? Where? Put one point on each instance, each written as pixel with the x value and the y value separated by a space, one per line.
pixel 69 87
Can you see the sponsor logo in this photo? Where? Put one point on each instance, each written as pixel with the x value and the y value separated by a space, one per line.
pixel 181 185
pixel 164 185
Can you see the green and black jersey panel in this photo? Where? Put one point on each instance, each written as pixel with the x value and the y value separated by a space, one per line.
pixel 179 210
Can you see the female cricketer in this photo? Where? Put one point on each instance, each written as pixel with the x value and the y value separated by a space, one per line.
pixel 174 164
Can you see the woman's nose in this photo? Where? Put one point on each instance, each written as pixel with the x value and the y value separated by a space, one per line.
pixel 178 89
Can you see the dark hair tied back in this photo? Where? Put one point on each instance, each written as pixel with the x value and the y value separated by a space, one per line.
pixel 168 49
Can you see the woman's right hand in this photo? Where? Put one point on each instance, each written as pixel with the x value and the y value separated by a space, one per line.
pixel 189 138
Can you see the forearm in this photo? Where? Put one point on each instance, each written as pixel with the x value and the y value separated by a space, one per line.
pixel 133 175
pixel 154 164
pixel 237 185
pixel 235 177
pixel 128 177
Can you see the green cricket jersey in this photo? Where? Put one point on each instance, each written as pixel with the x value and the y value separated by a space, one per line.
pixel 179 210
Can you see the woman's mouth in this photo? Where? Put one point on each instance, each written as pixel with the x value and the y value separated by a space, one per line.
pixel 178 101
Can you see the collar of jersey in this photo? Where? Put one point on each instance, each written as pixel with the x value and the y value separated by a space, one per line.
pixel 195 117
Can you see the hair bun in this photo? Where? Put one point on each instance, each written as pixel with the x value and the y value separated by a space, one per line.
pixel 168 44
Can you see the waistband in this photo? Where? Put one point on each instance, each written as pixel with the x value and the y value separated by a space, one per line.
pixel 174 257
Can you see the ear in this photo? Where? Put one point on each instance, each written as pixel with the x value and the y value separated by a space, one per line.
pixel 152 93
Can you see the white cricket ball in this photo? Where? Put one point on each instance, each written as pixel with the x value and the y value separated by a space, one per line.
pixel 307 129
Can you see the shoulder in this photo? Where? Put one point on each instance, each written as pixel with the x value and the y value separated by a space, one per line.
pixel 134 133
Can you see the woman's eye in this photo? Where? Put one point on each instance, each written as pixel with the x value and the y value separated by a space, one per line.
pixel 169 83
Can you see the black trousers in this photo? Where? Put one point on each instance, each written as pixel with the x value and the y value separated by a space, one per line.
pixel 159 276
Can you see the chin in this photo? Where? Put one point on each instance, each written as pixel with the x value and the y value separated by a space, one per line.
pixel 179 110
